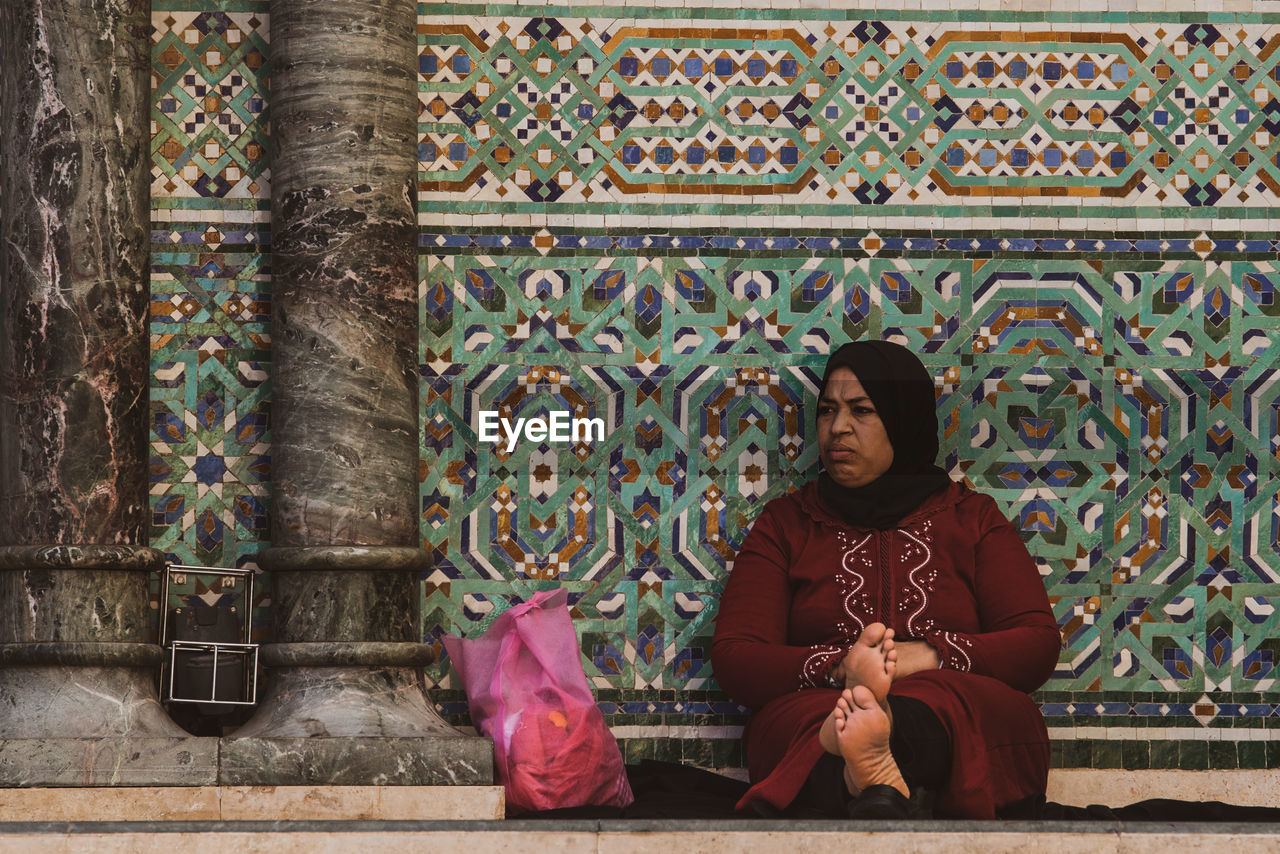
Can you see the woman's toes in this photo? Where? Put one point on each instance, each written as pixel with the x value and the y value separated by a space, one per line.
pixel 872 635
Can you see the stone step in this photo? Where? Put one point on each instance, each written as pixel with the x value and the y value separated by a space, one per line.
pixel 252 803
pixel 633 837
pixel 1073 786
pixel 1084 786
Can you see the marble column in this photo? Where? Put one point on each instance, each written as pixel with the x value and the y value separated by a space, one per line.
pixel 78 703
pixel 345 701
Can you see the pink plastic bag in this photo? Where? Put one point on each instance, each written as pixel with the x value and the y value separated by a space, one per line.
pixel 527 692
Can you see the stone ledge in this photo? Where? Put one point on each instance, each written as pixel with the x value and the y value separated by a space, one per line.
pixel 109 761
pixel 633 837
pixel 190 761
pixel 350 761
pixel 1080 787
pixel 252 803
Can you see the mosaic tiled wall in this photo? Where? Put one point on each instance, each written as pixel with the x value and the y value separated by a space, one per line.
pixel 210 281
pixel 665 218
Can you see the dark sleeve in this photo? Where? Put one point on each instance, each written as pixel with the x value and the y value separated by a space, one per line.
pixel 1019 639
pixel 749 653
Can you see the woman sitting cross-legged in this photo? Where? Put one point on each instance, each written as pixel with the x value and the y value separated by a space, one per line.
pixel 884 623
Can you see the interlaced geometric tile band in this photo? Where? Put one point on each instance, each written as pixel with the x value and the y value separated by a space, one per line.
pixel 852 112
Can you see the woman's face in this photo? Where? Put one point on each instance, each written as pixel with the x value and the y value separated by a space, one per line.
pixel 852 441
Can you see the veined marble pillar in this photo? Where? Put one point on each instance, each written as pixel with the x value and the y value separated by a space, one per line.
pixel 345 701
pixel 78 703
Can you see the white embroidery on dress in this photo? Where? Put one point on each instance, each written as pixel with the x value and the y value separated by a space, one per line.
pixel 920 576
pixel 958 644
pixel 914 595
pixel 853 598
pixel 810 671
pixel 921 579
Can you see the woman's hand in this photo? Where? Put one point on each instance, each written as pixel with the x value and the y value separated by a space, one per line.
pixel 916 656
pixel 913 657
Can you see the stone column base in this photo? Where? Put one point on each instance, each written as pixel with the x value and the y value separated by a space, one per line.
pixel 352 725
pixel 108 761
pixel 78 699
pixel 255 803
pixel 356 761
pixel 92 718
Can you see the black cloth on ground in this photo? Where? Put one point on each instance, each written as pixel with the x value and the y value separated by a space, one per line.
pixel 671 790
pixel 1155 809
pixel 666 790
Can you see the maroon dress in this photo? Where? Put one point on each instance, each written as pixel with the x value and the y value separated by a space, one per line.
pixel 953 573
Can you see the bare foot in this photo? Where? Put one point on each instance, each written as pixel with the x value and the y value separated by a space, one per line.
pixel 862 731
pixel 871 663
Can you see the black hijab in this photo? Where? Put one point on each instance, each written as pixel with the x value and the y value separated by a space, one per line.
pixel 901 388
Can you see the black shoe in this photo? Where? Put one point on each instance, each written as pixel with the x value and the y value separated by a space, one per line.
pixel 882 802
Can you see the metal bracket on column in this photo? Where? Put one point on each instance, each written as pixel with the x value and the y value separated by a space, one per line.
pixel 210 643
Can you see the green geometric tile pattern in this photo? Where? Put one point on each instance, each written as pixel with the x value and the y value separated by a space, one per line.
pixel 210 355
pixel 1140 466
pixel 852 111
pixel 209 72
pixel 210 283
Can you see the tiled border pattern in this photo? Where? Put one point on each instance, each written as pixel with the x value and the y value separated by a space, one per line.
pixel 841 113
pixel 882 242
pixel 973 10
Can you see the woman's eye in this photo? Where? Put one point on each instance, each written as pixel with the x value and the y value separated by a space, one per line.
pixel 825 410
pixel 863 410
